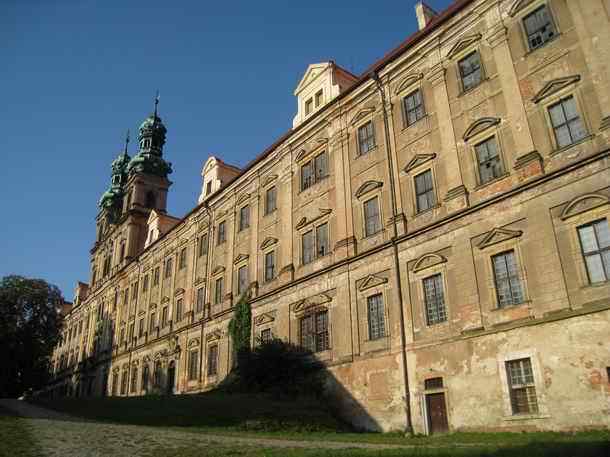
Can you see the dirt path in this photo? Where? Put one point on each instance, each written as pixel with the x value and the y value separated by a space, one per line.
pixel 56 434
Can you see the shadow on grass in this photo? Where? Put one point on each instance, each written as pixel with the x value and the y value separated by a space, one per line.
pixel 16 439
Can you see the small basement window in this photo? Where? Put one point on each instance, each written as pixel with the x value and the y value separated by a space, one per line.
pixel 433 383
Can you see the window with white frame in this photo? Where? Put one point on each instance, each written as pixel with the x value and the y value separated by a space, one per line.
pixel 471 71
pixel 595 247
pixel 366 138
pixel 413 107
pixel 372 218
pixel 567 124
pixel 509 289
pixel 376 316
pixel 521 386
pixel 489 160
pixel 424 191
pixel 434 299
pixel 539 27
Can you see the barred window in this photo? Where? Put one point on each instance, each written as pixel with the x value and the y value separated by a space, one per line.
pixel 242 279
pixel 203 245
pixel 509 290
pixel 193 364
pixel 372 218
pixel 269 266
pixel 218 290
pixel 314 331
pixel 424 191
pixel 434 299
pixel 213 360
pixel 521 386
pixel 567 124
pixel 244 217
pixel 270 200
pixel 376 316
pixel 489 161
pixel 200 299
pixel 595 247
pixel 266 335
pixel 470 70
pixel 222 236
pixel 539 27
pixel 366 138
pixel 179 309
pixel 182 261
pixel 413 107
pixel 168 268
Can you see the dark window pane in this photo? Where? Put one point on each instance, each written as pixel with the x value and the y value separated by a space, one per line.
pixel 434 300
pixel 372 219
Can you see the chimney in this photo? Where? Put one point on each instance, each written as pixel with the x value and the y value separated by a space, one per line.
pixel 425 14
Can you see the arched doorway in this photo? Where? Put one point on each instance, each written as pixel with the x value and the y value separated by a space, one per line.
pixel 171 376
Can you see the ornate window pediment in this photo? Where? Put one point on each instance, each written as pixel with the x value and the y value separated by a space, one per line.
pixel 498 235
pixel 269 241
pixel 304 221
pixel 517 6
pixel 362 114
pixel 193 343
pixel 371 281
pixel 179 291
pixel 268 180
pixel 165 299
pixel 240 258
pixel 407 81
pixel 213 336
pixel 583 203
pixel 265 318
pixel 480 125
pixel 146 359
pixel 417 160
pixel 427 261
pixel 462 44
pixel 554 86
pixel 243 197
pixel 217 270
pixel 367 187
pixel 311 302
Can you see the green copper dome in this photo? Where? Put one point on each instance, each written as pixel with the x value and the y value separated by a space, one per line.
pixel 150 156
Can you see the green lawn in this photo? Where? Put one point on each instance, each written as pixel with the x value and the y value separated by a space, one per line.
pixel 15 438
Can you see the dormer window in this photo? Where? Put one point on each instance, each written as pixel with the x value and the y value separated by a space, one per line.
pixel 319 98
pixel 308 107
pixel 208 188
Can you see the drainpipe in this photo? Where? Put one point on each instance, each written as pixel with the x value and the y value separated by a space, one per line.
pixel 375 76
pixel 202 347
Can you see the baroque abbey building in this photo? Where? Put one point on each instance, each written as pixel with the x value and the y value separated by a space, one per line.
pixel 435 230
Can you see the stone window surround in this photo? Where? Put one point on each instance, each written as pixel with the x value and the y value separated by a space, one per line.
pixel 493 131
pixel 419 305
pixel 416 171
pixel 383 288
pixel 362 118
pixel 523 11
pixel 324 219
pixel 458 57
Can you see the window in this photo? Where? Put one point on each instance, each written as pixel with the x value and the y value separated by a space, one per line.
pixel 567 124
pixel 164 316
pixel 521 386
pixel 179 309
pixel 116 299
pixel 115 383
pixel 424 191
pixel 488 159
pixel 134 291
pixel 376 316
pixel 539 27
pixel 151 322
pixel 222 235
pixel 270 200
pixel 150 199
pixel 366 138
pixel 208 188
pixel 307 246
pixel 182 260
pixel 314 171
pixel 141 328
pixel 131 332
pixel 433 383
pixel 156 275
pixel 242 279
pixel 124 381
pixel 145 377
pixel 122 251
pixel 314 331
pixel 413 107
pixel 308 107
pixel 134 379
pixel 434 300
pixel 145 283
pixel 244 217
pixel 203 245
pixel 218 290
pixel 122 335
pixel 470 70
pixel 595 247
pixel 200 299
pixel 266 336
pixel 372 219
pixel 213 360
pixel 506 277
pixel 168 268
pixel 322 247
pixel 319 99
pixel 193 364
pixel 157 373
pixel 269 266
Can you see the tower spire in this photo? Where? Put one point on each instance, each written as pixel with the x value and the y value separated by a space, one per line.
pixel 126 142
pixel 156 102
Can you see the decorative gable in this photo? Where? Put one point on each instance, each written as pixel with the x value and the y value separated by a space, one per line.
pixel 498 235
pixel 480 125
pixel 517 6
pixel 194 343
pixel 427 261
pixel 305 221
pixel 240 258
pixel 243 198
pixel 311 302
pixel 367 187
pixel 268 180
pixel 362 114
pixel 417 160
pixel 269 241
pixel 462 44
pixel 554 86
pixel 583 203
pixel 217 270
pixel 371 281
pixel 213 336
pixel 263 319
pixel 407 81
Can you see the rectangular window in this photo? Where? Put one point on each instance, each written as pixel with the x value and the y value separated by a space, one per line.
pixel 322 243
pixel 489 161
pixel 266 335
pixel 308 107
pixel 213 360
pixel 521 385
pixel 203 246
pixel 434 299
pixel 470 70
pixel 193 364
pixel 424 191
pixel 269 266
pixel 506 277
pixel 376 316
pixel 270 200
pixel 433 383
pixel 307 176
pixel 372 218
pixel 156 275
pixel 167 272
pixel 141 328
pixel 152 322
pixel 134 291
pixel 182 261
pixel 366 138
pixel 314 171
pixel 131 332
pixel 595 247
pixel 179 309
pixel 200 299
pixel 218 290
pixel 242 279
pixel 208 188
pixel 164 316
pixel 567 124
pixel 413 107
pixel 145 283
pixel 539 27
pixel 221 233
pixel 307 243
pixel 314 331
pixel 244 217
pixel 319 99
pixel 321 166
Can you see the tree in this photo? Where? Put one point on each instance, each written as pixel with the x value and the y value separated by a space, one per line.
pixel 241 326
pixel 29 327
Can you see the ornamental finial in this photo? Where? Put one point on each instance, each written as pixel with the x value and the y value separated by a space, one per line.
pixel 156 102
pixel 126 141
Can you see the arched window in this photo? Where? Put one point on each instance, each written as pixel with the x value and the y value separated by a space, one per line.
pixel 151 200
pixel 157 374
pixel 145 376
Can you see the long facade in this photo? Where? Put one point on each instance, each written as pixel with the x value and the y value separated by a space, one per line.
pixel 434 230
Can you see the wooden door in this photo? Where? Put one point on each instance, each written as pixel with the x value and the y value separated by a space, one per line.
pixel 437 413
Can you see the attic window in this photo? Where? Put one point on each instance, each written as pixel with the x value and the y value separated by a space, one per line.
pixel 308 107
pixel 319 95
pixel 208 188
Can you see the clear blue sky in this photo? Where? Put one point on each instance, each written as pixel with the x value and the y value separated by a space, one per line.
pixel 74 75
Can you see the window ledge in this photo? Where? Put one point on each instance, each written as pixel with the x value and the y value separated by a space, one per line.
pixel 406 126
pixel 497 307
pixel 529 51
pixel 302 191
pixel 576 143
pixel 595 285
pixel 495 180
pixel 365 154
pixel 373 235
pixel 471 89
pixel 427 210
pixel 522 417
pixel 269 213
